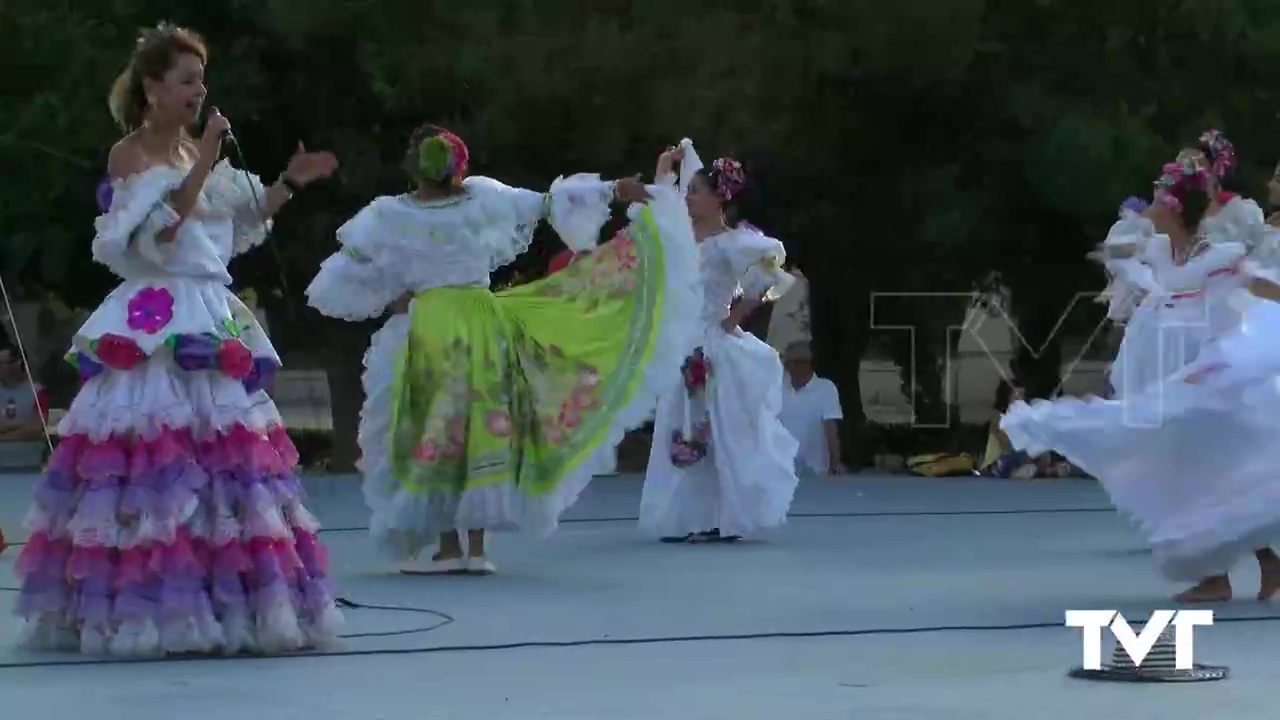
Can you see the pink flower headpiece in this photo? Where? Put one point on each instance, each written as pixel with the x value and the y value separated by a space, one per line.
pixel 730 178
pixel 1222 153
pixel 1177 179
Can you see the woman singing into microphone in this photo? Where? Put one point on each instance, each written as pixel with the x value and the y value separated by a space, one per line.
pixel 170 519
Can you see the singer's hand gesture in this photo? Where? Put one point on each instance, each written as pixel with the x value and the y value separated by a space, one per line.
pixel 307 167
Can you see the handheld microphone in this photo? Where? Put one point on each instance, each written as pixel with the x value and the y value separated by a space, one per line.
pixel 228 137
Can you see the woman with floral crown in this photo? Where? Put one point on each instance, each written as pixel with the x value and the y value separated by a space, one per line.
pixel 721 465
pixel 1151 350
pixel 1186 448
pixel 491 411
pixel 170 518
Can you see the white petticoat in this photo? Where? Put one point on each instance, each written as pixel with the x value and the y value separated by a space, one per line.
pixel 380 485
pixel 1196 465
pixel 748 479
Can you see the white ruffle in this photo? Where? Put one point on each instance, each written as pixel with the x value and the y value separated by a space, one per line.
pixel 1121 254
pixel 139 204
pixel 579 208
pixel 748 479
pixel 244 193
pixel 678 332
pixel 758 260
pixel 1192 463
pixel 199 306
pixel 225 222
pixel 741 261
pixel 380 486
pixel 361 280
pixel 404 523
pixel 1182 307
pixel 398 244
pixel 157 395
pixel 347 289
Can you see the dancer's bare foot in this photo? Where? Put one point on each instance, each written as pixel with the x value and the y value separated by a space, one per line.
pixel 447 560
pixel 1269 564
pixel 1209 590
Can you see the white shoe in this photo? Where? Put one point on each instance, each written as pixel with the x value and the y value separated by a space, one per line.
pixel 451 566
pixel 480 565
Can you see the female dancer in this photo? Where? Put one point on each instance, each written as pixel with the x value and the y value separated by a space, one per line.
pixel 491 411
pixel 1188 456
pixel 170 518
pixel 722 465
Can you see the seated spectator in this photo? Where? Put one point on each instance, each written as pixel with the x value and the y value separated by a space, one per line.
pixel 23 410
pixel 1000 459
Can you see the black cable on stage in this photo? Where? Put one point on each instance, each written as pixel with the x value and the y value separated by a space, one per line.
pixel 345 604
pixel 868 632
pixel 446 619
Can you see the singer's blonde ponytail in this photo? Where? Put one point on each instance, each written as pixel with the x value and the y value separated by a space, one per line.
pixel 154 54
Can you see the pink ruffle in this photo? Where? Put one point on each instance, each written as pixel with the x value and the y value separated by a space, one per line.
pixel 172 527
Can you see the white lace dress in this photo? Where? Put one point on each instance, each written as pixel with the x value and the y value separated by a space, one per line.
pixel 1190 457
pixel 171 517
pixel 746 480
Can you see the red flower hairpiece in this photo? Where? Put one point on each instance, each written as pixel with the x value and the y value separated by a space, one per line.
pixel 1222 151
pixel 730 178
pixel 1177 179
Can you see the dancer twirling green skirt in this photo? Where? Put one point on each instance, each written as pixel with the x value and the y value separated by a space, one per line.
pixel 492 411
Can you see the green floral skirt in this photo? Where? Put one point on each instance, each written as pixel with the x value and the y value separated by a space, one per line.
pixel 505 404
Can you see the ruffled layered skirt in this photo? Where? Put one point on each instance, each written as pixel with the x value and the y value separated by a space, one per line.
pixel 171 517
pixel 1193 460
pixel 495 410
pixel 721 458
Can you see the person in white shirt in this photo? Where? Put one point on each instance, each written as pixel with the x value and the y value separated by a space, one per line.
pixel 811 413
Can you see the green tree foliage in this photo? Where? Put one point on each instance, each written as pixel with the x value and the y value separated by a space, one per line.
pixel 906 147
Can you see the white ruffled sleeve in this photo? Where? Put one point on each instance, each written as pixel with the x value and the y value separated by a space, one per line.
pixel 139 212
pixel 245 195
pixel 359 281
pixel 577 207
pixel 757 261
pixel 1122 254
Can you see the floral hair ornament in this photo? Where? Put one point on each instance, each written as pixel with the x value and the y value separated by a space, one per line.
pixel 1176 180
pixel 1222 152
pixel 730 178
pixel 441 156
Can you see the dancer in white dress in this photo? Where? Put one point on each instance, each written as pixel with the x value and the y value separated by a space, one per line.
pixel 1189 455
pixel 170 519
pixel 492 411
pixel 721 465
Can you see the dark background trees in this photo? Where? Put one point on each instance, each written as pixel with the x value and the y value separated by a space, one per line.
pixel 904 147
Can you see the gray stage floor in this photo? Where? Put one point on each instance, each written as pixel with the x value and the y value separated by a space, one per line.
pixel 828 618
